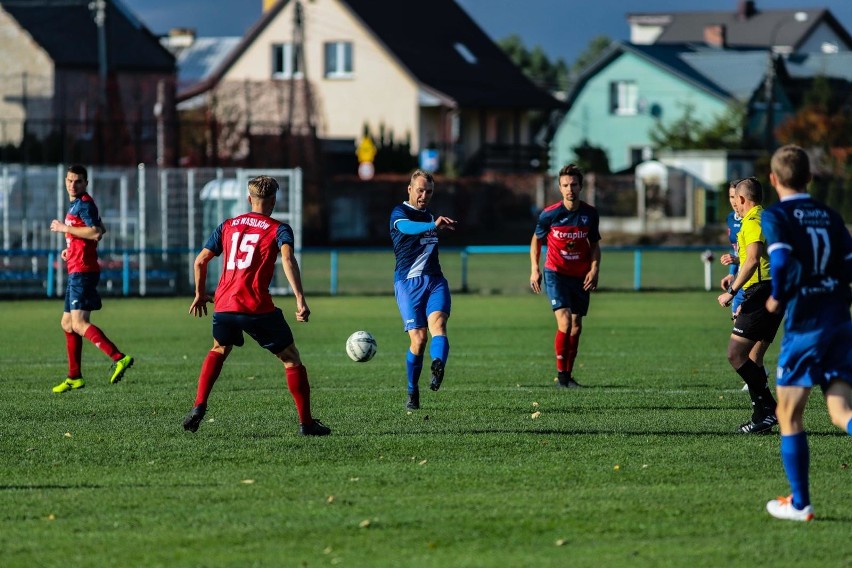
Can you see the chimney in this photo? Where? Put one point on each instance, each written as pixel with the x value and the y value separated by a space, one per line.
pixel 267 4
pixel 746 9
pixel 181 37
pixel 714 35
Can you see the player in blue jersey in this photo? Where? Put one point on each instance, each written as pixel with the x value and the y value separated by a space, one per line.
pixel 422 292
pixel 570 229
pixel 731 259
pixel 811 259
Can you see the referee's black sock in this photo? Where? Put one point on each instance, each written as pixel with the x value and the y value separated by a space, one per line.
pixel 758 389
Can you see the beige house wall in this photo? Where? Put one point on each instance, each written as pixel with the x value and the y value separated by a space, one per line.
pixel 26 81
pixel 379 91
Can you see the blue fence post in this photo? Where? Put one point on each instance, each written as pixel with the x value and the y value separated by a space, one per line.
pixel 464 287
pixel 333 276
pixel 125 274
pixel 50 273
pixel 637 269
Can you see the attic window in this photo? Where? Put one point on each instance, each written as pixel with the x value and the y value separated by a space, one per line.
pixel 466 54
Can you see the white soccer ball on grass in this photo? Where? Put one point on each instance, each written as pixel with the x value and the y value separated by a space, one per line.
pixel 361 346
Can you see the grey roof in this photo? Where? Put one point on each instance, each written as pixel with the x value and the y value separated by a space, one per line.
pixel 66 30
pixel 764 28
pixel 806 66
pixel 723 73
pixel 738 73
pixel 198 61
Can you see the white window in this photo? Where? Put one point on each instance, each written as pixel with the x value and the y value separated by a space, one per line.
pixel 285 63
pixel 338 59
pixel 623 97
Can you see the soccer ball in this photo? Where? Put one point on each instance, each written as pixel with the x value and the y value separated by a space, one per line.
pixel 361 346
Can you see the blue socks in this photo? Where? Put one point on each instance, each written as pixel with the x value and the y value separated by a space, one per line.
pixel 413 366
pixel 795 456
pixel 439 348
pixel 849 427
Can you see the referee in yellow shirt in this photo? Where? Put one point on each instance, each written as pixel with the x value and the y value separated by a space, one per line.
pixel 754 327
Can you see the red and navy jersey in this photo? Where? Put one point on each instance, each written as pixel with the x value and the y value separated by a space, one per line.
pixel 250 243
pixel 82 255
pixel 569 235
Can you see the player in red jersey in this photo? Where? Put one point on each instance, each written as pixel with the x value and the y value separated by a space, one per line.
pixel 83 229
pixel 570 230
pixel 250 244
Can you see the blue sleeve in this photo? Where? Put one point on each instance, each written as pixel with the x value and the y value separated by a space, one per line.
pixel 284 235
pixel 409 227
pixel 89 214
pixel 847 253
pixel 779 269
pixel 214 242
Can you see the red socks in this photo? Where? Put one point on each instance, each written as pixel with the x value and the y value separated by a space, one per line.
pixel 297 382
pixel 565 346
pixel 210 370
pixel 100 340
pixel 74 347
pixel 573 344
pixel 560 344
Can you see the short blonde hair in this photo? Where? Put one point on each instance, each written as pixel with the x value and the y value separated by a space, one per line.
pixel 263 187
pixel 424 174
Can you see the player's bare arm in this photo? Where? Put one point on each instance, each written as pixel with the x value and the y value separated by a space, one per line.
pixel 535 259
pixel 198 307
pixel 294 277
pixel 88 233
pixel 728 259
pixel 590 282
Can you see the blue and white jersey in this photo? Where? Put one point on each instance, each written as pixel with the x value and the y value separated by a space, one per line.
pixel 416 253
pixel 810 252
pixel 734 224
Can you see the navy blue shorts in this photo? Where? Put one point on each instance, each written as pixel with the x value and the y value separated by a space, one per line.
pixel 81 293
pixel 815 358
pixel 420 296
pixel 566 292
pixel 270 330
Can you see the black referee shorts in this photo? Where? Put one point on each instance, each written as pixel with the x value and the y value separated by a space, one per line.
pixel 754 322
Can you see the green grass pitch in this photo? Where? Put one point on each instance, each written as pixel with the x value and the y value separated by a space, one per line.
pixel 639 469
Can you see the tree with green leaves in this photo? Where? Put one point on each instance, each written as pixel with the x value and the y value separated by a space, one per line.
pixel 535 64
pixel 688 132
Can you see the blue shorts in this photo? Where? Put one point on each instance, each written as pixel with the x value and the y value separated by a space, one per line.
pixel 420 296
pixel 814 358
pixel 81 293
pixel 270 330
pixel 566 292
pixel 738 299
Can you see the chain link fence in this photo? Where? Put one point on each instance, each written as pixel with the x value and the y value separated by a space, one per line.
pixel 156 220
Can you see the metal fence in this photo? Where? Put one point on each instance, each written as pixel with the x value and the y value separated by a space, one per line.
pixel 156 220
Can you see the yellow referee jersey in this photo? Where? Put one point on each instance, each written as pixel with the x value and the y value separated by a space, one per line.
pixel 751 232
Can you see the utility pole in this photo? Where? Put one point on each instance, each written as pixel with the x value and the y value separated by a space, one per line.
pixel 98 7
pixel 772 76
pixel 769 95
